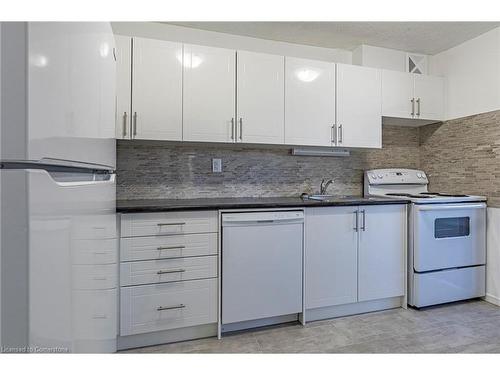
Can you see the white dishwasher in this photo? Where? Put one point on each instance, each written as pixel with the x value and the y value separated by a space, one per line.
pixel 262 255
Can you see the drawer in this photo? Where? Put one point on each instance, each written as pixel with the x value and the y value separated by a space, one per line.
pixel 97 251
pixel 87 227
pixel 167 223
pixel 166 270
pixel 95 277
pixel 161 247
pixel 95 314
pixel 167 306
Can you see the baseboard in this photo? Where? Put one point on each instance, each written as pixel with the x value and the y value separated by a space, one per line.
pixel 166 337
pixel 491 299
pixel 330 312
pixel 259 323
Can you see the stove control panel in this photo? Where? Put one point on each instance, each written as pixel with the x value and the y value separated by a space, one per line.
pixel 395 176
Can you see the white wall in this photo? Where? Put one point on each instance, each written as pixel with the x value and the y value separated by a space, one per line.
pixel 378 57
pixel 493 256
pixel 472 71
pixel 215 39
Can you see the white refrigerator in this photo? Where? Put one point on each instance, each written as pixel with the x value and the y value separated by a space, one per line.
pixel 58 236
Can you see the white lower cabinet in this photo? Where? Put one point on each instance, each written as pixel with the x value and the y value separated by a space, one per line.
pixel 354 254
pixel 331 256
pixel 381 253
pixel 165 306
pixel 168 274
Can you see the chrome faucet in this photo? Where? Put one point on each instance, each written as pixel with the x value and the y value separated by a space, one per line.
pixel 324 186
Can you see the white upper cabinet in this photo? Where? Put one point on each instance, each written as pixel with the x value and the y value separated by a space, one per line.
pixel 309 102
pixel 381 257
pixel 397 94
pixel 412 96
pixel 157 90
pixel 429 97
pixel 359 117
pixel 123 85
pixel 260 98
pixel 209 94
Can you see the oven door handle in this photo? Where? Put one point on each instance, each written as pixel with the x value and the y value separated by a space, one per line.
pixel 442 207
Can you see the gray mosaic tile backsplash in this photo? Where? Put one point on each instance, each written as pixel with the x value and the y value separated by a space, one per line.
pixel 463 155
pixel 150 170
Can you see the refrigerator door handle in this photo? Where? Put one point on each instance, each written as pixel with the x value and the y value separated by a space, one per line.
pixel 63 172
pixel 57 165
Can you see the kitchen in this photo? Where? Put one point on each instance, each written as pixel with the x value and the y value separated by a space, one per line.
pixel 257 187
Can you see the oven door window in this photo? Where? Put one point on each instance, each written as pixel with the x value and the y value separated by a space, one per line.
pixel 451 227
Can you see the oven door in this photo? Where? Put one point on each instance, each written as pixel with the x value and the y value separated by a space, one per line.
pixel 448 236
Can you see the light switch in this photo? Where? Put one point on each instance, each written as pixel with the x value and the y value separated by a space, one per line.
pixel 216 165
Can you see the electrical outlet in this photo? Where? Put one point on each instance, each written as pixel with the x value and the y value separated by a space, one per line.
pixel 216 165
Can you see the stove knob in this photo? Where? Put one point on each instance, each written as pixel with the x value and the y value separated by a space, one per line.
pixel 373 176
pixel 419 175
pixel 380 176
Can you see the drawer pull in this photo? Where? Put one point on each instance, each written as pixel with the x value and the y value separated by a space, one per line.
pixel 161 308
pixel 161 272
pixel 165 224
pixel 171 247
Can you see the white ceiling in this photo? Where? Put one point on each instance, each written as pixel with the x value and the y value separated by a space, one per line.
pixel 418 37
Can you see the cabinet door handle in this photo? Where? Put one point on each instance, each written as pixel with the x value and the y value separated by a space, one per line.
pixel 161 308
pixel 135 124
pixel 241 129
pixel 170 247
pixel 162 272
pixel 356 214
pixel 412 107
pixel 341 134
pixel 165 224
pixel 333 134
pixel 418 107
pixel 232 128
pixel 363 227
pixel 124 124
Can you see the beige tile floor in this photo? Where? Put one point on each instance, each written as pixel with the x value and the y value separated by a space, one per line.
pixel 466 327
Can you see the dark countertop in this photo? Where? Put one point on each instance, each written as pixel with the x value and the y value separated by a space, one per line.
pixel 158 205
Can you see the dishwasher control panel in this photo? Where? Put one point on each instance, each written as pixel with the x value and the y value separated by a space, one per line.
pixel 265 216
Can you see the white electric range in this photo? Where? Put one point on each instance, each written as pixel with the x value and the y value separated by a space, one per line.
pixel 446 237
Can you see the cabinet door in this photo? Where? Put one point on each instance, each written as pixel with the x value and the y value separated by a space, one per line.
pixel 382 247
pixel 397 94
pixel 309 102
pixel 429 94
pixel 359 112
pixel 123 85
pixel 261 98
pixel 209 94
pixel 330 256
pixel 157 90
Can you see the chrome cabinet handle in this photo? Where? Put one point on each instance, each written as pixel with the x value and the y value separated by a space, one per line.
pixel 333 132
pixel 162 272
pixel 124 124
pixel 363 227
pixel 418 107
pixel 166 224
pixel 241 129
pixel 161 308
pixel 232 128
pixel 356 228
pixel 412 106
pixel 341 134
pixel 135 124
pixel 170 247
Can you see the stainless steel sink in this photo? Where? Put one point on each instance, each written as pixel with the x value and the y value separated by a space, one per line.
pixel 324 197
